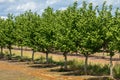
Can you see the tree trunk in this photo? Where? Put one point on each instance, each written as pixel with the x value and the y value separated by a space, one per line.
pixel 76 53
pixel 86 63
pixel 65 58
pixel 111 66
pixel 119 55
pixel 21 52
pixel 103 54
pixel 104 49
pixel 47 61
pixel 10 52
pixel 1 50
pixel 33 55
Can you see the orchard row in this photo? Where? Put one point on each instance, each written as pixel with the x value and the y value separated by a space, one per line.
pixel 86 30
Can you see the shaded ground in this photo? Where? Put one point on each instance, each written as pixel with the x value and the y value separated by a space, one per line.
pixel 23 71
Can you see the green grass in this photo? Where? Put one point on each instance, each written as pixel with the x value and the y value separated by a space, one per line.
pixel 93 69
pixel 116 71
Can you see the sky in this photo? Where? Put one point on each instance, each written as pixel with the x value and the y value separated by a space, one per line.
pixel 17 7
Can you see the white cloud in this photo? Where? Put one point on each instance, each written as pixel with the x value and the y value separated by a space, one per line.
pixel 50 2
pixel 63 8
pixel 79 5
pixel 19 6
pixel 22 7
pixel 2 1
pixel 3 17
pixel 109 2
pixel 11 0
pixel 94 2
pixel 27 6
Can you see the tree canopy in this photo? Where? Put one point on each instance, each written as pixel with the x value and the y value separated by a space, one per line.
pixel 86 29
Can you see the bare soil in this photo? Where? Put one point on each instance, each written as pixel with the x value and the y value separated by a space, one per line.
pixel 24 71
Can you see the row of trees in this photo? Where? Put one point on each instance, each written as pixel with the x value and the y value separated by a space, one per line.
pixel 86 30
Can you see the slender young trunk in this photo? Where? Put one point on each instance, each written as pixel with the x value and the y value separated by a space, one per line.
pixel 111 66
pixel 119 55
pixel 65 58
pixel 47 61
pixel 76 53
pixel 10 52
pixel 21 52
pixel 1 50
pixel 103 54
pixel 33 55
pixel 104 49
pixel 86 63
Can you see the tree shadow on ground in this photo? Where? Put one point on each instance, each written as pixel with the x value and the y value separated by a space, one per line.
pixel 90 77
pixel 60 70
pixel 68 72
pixel 100 78
pixel 81 74
pixel 43 65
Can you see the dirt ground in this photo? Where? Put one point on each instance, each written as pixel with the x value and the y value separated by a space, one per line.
pixel 24 71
